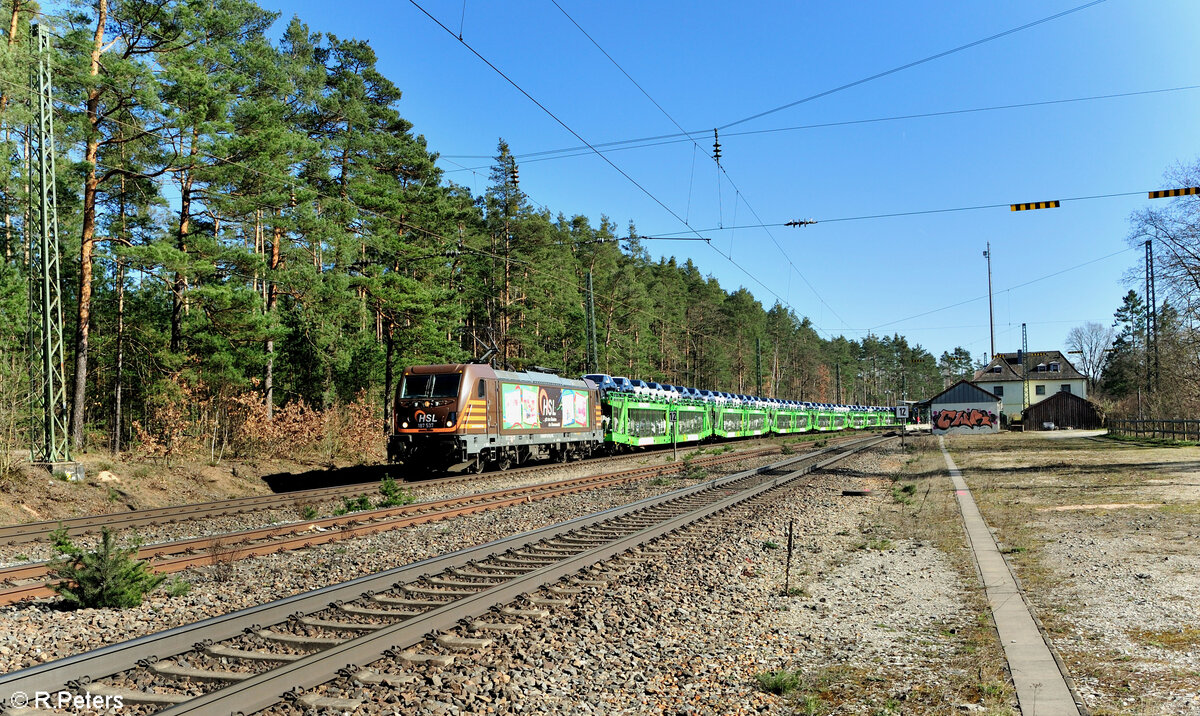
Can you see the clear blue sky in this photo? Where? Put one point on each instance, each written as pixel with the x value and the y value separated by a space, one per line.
pixel 713 63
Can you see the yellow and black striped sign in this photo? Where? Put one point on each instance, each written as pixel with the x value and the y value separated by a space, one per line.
pixel 1163 193
pixel 1034 205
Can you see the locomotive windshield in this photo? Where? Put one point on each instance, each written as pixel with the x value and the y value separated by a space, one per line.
pixel 430 386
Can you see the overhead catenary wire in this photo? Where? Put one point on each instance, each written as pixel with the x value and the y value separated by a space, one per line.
pixel 653 315
pixel 598 153
pixel 910 65
pixel 672 236
pixel 721 170
pixel 1005 290
pixel 664 139
pixel 664 236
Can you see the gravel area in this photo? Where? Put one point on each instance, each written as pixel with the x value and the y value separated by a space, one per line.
pixel 1130 593
pixel 38 633
pixel 1103 536
pixel 691 631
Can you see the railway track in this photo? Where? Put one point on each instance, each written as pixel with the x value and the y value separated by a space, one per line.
pixel 249 660
pixel 75 526
pixel 29 581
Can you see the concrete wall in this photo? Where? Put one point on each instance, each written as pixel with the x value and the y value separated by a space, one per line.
pixel 974 418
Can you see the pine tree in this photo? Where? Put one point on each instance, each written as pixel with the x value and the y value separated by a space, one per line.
pixel 108 577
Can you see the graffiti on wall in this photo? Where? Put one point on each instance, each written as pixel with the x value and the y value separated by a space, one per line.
pixel 945 421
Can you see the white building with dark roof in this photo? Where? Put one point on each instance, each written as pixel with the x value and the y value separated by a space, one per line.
pixel 1049 372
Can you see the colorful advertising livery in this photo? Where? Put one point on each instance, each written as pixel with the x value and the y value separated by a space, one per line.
pixel 533 407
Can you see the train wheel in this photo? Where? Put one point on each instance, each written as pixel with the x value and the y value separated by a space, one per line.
pixel 504 460
pixel 476 467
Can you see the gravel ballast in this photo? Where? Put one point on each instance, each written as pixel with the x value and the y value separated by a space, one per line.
pixel 690 631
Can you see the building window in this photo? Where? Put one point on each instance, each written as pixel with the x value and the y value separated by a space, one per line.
pixel 1041 368
pixel 1039 389
pixel 998 391
pixel 1064 388
pixel 995 369
pixel 1053 367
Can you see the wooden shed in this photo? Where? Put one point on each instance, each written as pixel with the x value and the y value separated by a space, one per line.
pixel 1063 410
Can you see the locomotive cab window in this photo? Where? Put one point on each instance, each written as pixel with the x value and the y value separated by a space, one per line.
pixel 481 390
pixel 430 386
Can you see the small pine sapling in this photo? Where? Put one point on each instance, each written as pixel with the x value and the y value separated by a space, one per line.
pixel 108 577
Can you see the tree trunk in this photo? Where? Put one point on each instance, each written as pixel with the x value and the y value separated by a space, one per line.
pixel 13 24
pixel 12 39
pixel 88 235
pixel 185 220
pixel 388 375
pixel 120 354
pixel 272 299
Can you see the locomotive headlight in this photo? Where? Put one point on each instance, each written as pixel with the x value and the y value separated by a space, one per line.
pixel 404 424
pixel 449 423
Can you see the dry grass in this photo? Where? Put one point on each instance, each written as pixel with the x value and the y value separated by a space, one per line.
pixel 1185 638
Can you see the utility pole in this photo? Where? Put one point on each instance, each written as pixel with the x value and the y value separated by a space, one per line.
pixel 839 382
pixel 593 350
pixel 758 366
pixel 987 254
pixel 50 439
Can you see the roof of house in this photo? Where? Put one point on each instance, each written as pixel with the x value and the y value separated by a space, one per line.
pixel 963 392
pixel 1011 369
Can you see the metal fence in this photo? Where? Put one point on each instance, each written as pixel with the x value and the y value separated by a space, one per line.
pixel 1160 429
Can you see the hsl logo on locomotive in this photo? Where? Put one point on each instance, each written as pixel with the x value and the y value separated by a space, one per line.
pixel 548 407
pixel 425 420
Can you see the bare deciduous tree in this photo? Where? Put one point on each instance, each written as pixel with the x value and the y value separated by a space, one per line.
pixel 1088 343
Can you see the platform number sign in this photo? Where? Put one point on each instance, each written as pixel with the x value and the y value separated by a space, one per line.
pixel 902 412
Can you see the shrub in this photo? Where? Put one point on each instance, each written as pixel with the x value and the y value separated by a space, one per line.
pixel 108 577
pixel 393 494
pixel 306 510
pixel 358 504
pixel 221 557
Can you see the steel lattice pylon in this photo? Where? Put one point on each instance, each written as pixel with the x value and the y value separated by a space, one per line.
pixel 1024 371
pixel 49 437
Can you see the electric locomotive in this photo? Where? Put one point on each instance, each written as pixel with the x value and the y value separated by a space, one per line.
pixel 469 416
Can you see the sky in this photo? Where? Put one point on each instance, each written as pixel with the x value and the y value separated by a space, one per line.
pixel 705 64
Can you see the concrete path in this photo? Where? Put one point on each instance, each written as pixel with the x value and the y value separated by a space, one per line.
pixel 1041 688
